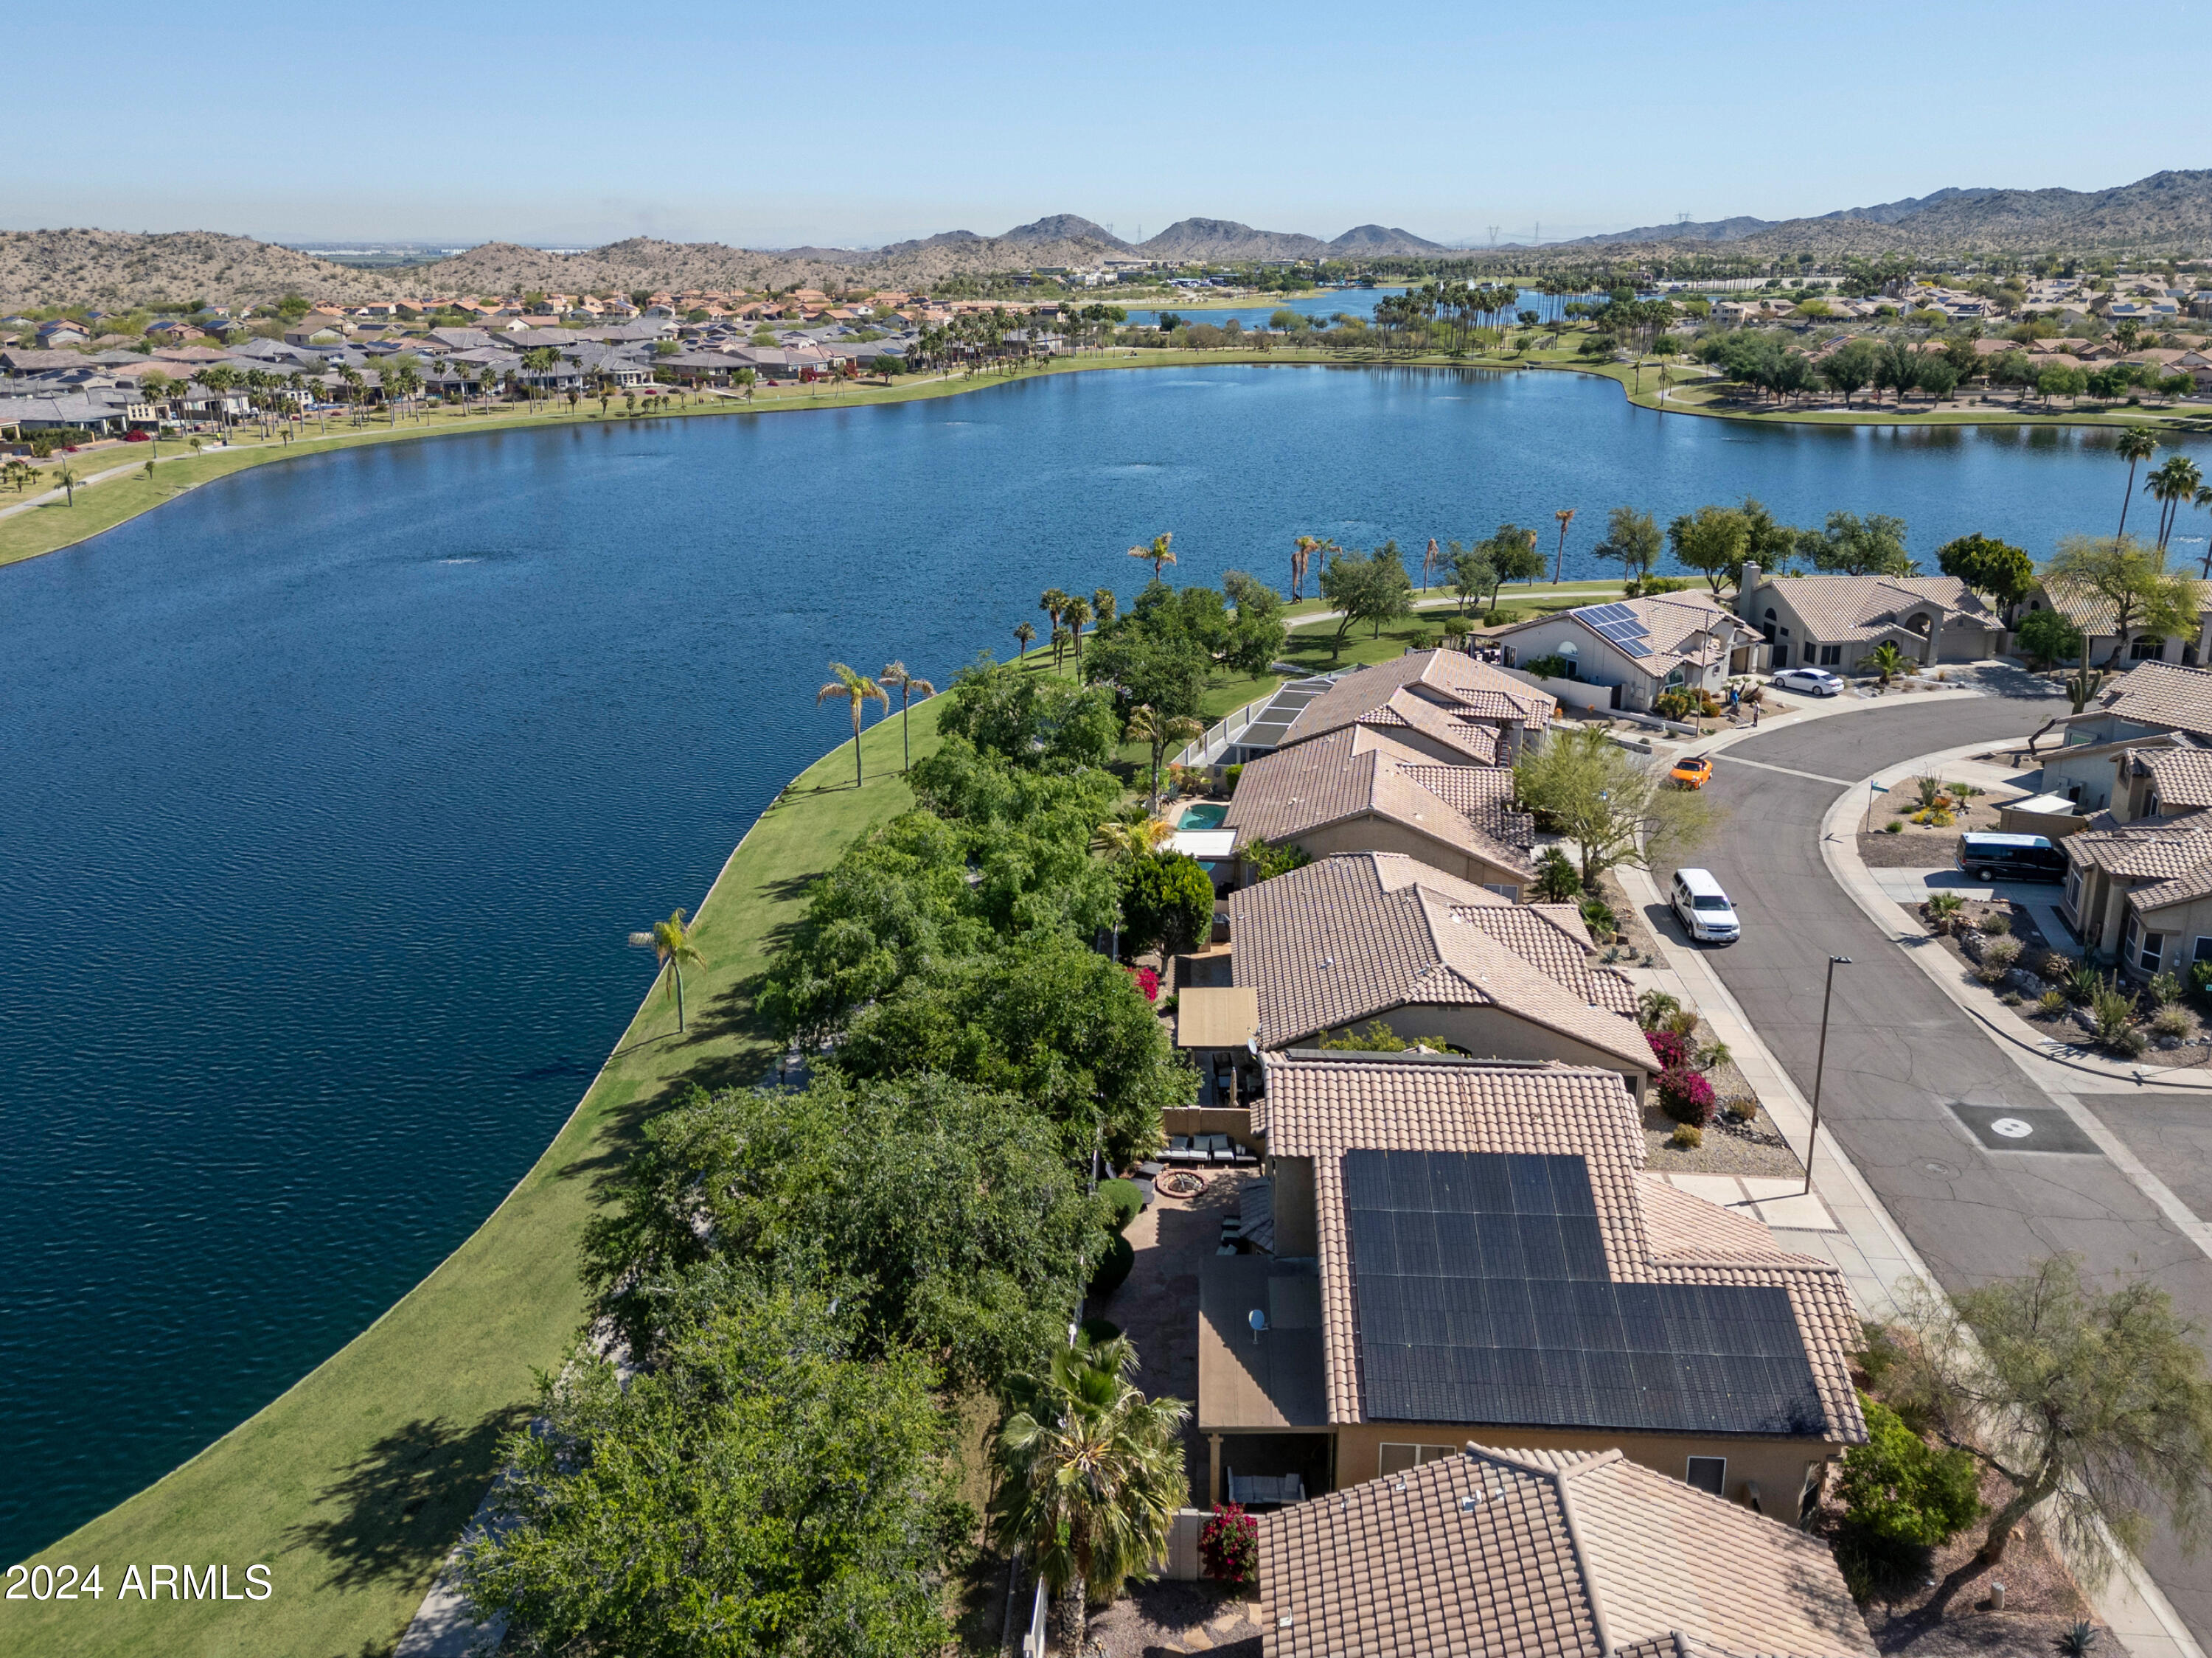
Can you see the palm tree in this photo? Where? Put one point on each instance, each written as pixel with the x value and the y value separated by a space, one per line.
pixel 1157 553
pixel 2172 485
pixel 1023 633
pixel 908 684
pixel 1566 516
pixel 1124 843
pixel 1430 560
pixel 671 944
pixel 1103 606
pixel 2201 501
pixel 1092 1472
pixel 1887 661
pixel 1052 601
pixel 1302 552
pixel 1147 726
pixel 2134 447
pixel 858 690
pixel 67 479
pixel 1076 613
pixel 1060 641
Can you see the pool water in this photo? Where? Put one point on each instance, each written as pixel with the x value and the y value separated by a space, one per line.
pixel 1205 816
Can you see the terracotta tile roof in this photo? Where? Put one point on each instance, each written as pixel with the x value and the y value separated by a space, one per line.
pixel 2182 889
pixel 2183 776
pixel 1835 608
pixel 1473 741
pixel 1321 1106
pixel 1448 678
pixel 1530 1552
pixel 2160 694
pixel 1354 937
pixel 1356 772
pixel 1679 628
pixel 2156 849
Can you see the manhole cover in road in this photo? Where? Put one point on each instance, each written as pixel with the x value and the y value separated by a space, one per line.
pixel 2018 1129
pixel 1940 1170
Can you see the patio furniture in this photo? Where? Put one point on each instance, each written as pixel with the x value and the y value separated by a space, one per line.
pixel 1220 1149
pixel 1266 1490
pixel 1182 1148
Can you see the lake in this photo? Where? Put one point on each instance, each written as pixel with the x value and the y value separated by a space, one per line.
pixel 334 788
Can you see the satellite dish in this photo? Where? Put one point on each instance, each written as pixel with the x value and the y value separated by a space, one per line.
pixel 1258 1320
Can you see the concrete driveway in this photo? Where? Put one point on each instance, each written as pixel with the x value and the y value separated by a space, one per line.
pixel 1913 1085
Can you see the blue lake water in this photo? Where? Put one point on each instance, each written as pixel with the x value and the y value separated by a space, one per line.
pixel 1351 301
pixel 333 789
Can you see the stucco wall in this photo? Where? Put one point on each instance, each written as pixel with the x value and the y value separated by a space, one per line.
pixel 1492 1033
pixel 1778 1466
pixel 2179 926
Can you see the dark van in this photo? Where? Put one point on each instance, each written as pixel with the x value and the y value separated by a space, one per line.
pixel 2011 858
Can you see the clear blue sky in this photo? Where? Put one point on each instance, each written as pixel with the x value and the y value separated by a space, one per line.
pixel 865 124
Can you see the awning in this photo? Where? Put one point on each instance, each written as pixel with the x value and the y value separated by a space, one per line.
pixel 1203 844
pixel 1217 1016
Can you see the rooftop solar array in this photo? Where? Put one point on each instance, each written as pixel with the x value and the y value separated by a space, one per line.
pixel 1268 727
pixel 1620 625
pixel 1482 1296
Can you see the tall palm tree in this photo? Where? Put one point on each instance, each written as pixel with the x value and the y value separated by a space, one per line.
pixel 1124 843
pixel 1147 726
pixel 858 690
pixel 1566 516
pixel 671 944
pixel 67 479
pixel 2201 501
pixel 1103 606
pixel 1157 553
pixel 1077 614
pixel 2134 446
pixel 1052 601
pixel 1023 633
pixel 908 684
pixel 1430 560
pixel 1092 1472
pixel 1302 552
pixel 2171 485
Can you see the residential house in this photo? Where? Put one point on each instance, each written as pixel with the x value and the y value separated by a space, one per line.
pixel 1471 1250
pixel 2098 620
pixel 1443 704
pixel 174 332
pixel 1837 621
pixel 2134 709
pixel 1359 790
pixel 1377 937
pixel 1638 649
pixel 63 331
pixel 1528 1551
pixel 311 330
pixel 2142 890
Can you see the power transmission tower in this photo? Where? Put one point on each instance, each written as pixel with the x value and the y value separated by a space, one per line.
pixel 1493 235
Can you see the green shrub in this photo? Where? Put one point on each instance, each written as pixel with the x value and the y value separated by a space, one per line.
pixel 1127 1199
pixel 2200 980
pixel 2113 1010
pixel 1377 1038
pixel 2083 981
pixel 1557 881
pixel 1998 955
pixel 1112 1270
pixel 1268 861
pixel 1899 1488
pixel 2128 1044
pixel 1686 1137
pixel 1100 1330
pixel 2172 1021
pixel 1654 1007
pixel 1894 826
pixel 2052 1002
pixel 1547 667
pixel 1167 902
pixel 1501 618
pixel 2165 989
pixel 1229 776
pixel 1997 925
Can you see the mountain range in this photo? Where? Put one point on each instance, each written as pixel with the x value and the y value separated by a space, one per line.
pixel 2168 215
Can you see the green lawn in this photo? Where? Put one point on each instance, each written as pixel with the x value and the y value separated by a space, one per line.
pixel 352 1485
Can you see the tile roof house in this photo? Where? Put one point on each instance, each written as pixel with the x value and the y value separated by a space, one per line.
pixel 1377 936
pixel 1443 703
pixel 1532 1553
pixel 2153 706
pixel 1837 620
pixel 2097 617
pixel 1470 1250
pixel 1640 648
pixel 1359 790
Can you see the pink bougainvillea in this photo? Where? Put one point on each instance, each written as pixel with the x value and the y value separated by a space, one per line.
pixel 1685 1095
pixel 1671 1051
pixel 1229 1545
pixel 1148 981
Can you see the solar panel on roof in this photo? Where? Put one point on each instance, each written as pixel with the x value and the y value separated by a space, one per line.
pixel 1596 614
pixel 1482 1295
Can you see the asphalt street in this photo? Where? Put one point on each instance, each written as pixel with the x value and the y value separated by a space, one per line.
pixel 1912 1082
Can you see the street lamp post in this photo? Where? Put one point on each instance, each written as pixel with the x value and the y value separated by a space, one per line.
pixel 1820 1066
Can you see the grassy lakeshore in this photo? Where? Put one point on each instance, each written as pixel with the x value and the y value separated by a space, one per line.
pixel 352 1485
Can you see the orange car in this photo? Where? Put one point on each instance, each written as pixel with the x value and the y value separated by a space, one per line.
pixel 1692 772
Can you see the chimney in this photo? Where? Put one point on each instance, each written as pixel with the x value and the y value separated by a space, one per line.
pixel 1751 575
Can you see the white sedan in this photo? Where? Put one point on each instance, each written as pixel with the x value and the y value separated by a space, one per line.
pixel 1813 682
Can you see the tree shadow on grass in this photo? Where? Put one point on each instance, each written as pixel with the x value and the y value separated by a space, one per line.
pixel 393 1514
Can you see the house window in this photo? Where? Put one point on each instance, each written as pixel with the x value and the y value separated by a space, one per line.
pixel 2147 649
pixel 2073 889
pixel 1504 889
pixel 1708 1473
pixel 2153 951
pixel 1397 1459
pixel 1831 655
